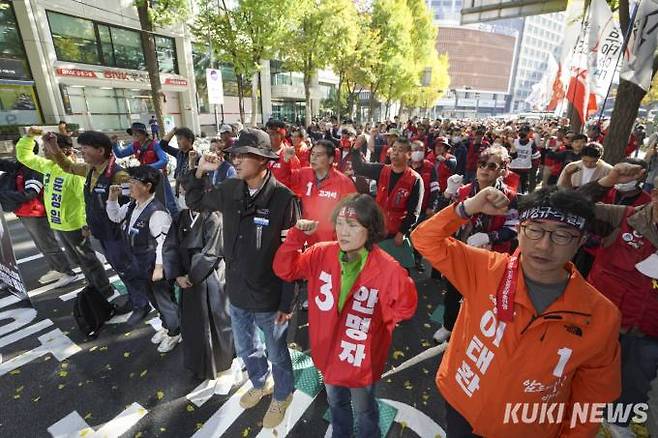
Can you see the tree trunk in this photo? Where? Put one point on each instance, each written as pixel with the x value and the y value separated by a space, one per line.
pixel 151 59
pixel 254 102
pixel 308 114
pixel 575 123
pixel 371 106
pixel 624 114
pixel 340 84
pixel 240 96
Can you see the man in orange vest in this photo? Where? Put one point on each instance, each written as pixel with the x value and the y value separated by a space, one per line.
pixel 399 194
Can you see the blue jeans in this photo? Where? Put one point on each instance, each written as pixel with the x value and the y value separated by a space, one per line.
pixel 250 349
pixel 343 400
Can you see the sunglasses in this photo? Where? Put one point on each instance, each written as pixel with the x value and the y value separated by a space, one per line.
pixel 487 165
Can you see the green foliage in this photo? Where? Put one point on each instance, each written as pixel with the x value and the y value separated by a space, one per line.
pixel 165 12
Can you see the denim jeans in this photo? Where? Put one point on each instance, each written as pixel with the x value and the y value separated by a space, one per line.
pixel 250 349
pixel 343 400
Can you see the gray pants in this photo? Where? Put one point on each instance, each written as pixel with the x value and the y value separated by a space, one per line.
pixel 45 241
pixel 80 251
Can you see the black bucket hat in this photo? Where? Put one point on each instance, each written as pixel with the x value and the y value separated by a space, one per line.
pixel 137 126
pixel 253 141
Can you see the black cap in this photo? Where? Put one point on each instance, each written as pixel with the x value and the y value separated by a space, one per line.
pixel 253 141
pixel 137 126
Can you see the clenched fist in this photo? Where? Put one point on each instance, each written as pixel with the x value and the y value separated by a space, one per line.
pixel 115 192
pixel 307 226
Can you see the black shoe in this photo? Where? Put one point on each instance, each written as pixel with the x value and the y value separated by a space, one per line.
pixel 126 307
pixel 138 315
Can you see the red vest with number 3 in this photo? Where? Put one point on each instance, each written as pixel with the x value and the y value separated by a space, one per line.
pixel 394 204
pixel 615 276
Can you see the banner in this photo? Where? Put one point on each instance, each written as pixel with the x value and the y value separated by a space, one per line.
pixel 10 276
pixel 542 91
pixel 215 86
pixel 638 66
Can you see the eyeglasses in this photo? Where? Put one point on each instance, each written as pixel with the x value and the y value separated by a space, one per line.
pixel 558 237
pixel 487 165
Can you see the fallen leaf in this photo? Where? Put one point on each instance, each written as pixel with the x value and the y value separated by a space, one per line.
pixel 14 372
pixel 60 386
pixel 127 333
pixel 407 385
pixel 397 354
pixel 88 416
pixel 141 411
pixel 425 343
pixel 103 348
pixel 93 348
pixel 429 306
pixel 138 435
pixel 426 325
pixel 46 358
pixel 198 426
pixel 64 365
pixel 426 371
pixel 126 354
pixel 17 396
pixel 63 373
pixel 189 408
pixel 20 388
pixel 85 432
pixel 160 395
pixel 131 375
pixel 245 432
pixel 143 373
pixel 163 429
pixel 108 367
pixel 388 380
pixel 425 396
pixel 36 399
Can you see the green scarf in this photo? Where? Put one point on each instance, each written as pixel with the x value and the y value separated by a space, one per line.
pixel 349 271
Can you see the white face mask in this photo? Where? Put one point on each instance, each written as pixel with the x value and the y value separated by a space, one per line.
pixel 626 187
pixel 417 155
pixel 456 139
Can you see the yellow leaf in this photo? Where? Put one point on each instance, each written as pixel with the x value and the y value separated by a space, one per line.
pixel 138 435
pixel 14 372
pixel 189 408
pixel 88 416
pixel 17 396
pixel 425 344
pixel 426 371
pixel 63 373
pixel 64 365
pixel 131 375
pixel 407 385
pixel 103 349
pixel 85 432
pixel 143 373
pixel 60 386
pixel 245 432
pixel 160 395
pixel 126 354
pixel 36 399
pixel 198 426
pixel 93 348
pixel 163 429
pixel 127 333
pixel 20 388
pixel 397 354
pixel 426 325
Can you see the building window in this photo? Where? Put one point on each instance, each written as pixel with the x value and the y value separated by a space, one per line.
pixel 88 42
pixel 74 39
pixel 18 101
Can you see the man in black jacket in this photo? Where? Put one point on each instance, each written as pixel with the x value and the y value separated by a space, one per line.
pixel 257 213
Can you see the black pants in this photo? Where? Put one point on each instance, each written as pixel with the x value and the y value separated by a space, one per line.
pixel 457 425
pixel 451 301
pixel 524 176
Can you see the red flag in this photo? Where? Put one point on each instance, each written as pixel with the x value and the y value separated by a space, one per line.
pixel 579 96
pixel 558 90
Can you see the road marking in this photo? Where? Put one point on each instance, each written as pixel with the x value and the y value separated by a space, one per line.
pixel 73 425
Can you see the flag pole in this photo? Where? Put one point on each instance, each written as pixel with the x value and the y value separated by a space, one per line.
pixel 621 53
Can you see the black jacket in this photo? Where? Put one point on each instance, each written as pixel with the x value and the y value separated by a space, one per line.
pixel 10 197
pixel 274 209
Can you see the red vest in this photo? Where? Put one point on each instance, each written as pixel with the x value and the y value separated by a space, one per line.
pixel 145 156
pixel 615 276
pixel 33 207
pixel 491 223
pixel 394 204
pixel 426 174
pixel 443 172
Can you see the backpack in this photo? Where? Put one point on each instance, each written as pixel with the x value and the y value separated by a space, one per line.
pixel 91 310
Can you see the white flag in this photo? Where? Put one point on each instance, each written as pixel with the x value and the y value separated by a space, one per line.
pixel 605 41
pixel 642 45
pixel 542 91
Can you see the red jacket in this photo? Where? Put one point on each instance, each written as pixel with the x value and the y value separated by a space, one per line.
pixel 614 274
pixel 32 208
pixel 425 173
pixel 611 197
pixel 473 153
pixel 350 348
pixel 146 156
pixel 281 170
pixel 554 164
pixel 443 172
pixel 304 155
pixel 320 198
pixel 394 204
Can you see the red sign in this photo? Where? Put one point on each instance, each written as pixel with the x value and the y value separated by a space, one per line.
pixel 174 81
pixel 76 72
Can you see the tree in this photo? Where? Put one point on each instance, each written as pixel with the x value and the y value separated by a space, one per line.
pixel 244 36
pixel 627 102
pixel 392 22
pixel 151 15
pixel 347 58
pixel 424 96
pixel 322 29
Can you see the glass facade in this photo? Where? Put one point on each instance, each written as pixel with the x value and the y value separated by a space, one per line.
pixel 18 101
pixel 88 42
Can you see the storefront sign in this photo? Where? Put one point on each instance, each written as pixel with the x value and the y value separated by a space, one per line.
pixel 116 75
pixel 215 86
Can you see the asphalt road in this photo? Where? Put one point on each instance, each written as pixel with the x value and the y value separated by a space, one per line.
pixel 55 382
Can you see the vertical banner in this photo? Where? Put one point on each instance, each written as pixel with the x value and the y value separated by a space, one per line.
pixel 10 276
pixel 215 86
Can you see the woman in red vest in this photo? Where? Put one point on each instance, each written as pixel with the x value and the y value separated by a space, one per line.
pixel 357 294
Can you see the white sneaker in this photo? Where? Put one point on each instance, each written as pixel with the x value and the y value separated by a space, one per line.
pixel 159 336
pixel 51 276
pixel 64 281
pixel 169 343
pixel 441 335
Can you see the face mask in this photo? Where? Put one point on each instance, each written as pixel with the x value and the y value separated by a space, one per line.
pixel 456 139
pixel 417 155
pixel 626 187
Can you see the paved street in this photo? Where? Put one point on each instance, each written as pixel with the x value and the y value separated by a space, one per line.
pixel 55 382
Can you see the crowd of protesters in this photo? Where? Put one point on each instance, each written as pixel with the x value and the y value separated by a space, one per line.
pixel 547 254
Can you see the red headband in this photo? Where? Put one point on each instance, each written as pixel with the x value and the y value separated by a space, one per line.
pixel 348 213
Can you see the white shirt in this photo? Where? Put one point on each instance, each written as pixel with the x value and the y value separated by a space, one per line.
pixel 587 174
pixel 159 222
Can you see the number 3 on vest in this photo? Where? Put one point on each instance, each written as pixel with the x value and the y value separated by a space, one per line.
pixel 327 302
